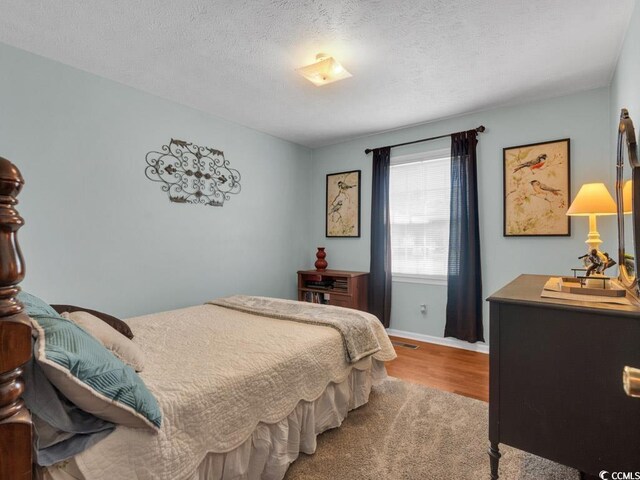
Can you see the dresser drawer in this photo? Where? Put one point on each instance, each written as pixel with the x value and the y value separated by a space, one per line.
pixel 341 301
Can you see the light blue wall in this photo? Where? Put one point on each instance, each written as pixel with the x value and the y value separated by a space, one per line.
pixel 625 86
pixel 625 93
pixel 98 233
pixel 584 117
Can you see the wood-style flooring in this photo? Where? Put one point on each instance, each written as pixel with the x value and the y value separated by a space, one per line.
pixel 451 369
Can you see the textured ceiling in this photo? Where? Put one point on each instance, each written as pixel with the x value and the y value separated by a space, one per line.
pixel 412 60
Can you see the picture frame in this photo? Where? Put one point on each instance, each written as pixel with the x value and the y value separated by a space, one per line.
pixel 537 189
pixel 342 201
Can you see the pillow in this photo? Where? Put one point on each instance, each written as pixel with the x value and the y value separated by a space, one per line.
pixel 60 429
pixel 114 341
pixel 116 323
pixel 86 373
pixel 35 306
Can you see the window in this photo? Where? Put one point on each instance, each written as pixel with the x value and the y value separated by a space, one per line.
pixel 419 192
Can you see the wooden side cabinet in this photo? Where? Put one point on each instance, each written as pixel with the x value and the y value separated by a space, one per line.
pixel 556 371
pixel 334 287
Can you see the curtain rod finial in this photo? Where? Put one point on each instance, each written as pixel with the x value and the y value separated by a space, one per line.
pixel 480 129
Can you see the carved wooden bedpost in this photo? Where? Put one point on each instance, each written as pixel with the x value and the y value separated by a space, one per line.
pixel 15 335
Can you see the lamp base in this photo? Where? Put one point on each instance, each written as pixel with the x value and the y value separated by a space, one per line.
pixel 593 238
pixel 593 242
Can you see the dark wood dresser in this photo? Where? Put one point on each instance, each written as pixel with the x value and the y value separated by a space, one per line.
pixel 343 289
pixel 556 379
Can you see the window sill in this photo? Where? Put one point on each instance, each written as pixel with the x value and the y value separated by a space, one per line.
pixel 424 279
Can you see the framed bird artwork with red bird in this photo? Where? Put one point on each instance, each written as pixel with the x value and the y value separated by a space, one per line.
pixel 537 189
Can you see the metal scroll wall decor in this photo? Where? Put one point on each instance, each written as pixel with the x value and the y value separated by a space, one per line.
pixel 193 174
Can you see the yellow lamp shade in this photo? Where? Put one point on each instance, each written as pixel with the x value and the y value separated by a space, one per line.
pixel 325 70
pixel 593 199
pixel 627 197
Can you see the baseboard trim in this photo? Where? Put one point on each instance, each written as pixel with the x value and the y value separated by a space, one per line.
pixel 448 342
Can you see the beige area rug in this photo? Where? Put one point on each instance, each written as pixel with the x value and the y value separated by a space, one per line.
pixel 412 432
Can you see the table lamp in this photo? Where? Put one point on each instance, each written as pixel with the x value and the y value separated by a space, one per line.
pixel 593 200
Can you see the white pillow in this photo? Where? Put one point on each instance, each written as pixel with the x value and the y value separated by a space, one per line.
pixel 123 348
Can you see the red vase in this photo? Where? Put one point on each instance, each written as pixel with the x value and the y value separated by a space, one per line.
pixel 321 263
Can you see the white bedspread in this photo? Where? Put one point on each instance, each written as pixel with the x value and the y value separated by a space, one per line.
pixel 217 373
pixel 360 330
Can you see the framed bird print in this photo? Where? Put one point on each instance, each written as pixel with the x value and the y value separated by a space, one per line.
pixel 343 204
pixel 537 189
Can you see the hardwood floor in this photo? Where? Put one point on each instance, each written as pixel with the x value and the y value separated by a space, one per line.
pixel 451 369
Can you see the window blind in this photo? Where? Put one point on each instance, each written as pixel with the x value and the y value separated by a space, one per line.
pixel 419 193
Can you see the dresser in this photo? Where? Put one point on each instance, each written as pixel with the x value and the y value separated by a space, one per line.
pixel 556 379
pixel 341 288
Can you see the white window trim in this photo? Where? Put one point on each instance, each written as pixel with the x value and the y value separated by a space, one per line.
pixel 424 279
pixel 415 158
pixel 421 157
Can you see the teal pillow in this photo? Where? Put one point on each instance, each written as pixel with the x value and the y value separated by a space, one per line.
pixel 87 373
pixel 36 307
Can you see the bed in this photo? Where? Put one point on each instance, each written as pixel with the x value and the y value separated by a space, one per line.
pixel 242 391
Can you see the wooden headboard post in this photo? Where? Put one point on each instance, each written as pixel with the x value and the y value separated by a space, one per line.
pixel 15 335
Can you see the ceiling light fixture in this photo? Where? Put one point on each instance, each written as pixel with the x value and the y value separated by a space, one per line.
pixel 325 70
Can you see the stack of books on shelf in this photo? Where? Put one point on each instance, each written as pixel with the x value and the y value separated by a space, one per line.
pixel 315 297
pixel 340 285
pixel 319 284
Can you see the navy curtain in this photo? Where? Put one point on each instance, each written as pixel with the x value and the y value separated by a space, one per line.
pixel 380 269
pixel 464 279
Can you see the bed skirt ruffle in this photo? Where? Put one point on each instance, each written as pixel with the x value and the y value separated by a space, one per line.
pixel 271 448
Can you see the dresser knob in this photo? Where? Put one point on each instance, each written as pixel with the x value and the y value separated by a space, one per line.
pixel 631 381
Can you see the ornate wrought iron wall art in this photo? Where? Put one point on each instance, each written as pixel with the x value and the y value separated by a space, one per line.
pixel 193 174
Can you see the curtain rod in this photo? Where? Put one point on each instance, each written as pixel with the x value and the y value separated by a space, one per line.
pixel 479 129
